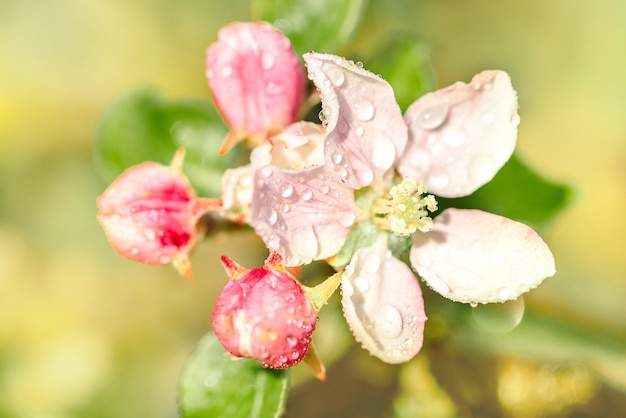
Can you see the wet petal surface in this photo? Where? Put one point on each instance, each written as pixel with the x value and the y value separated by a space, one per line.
pixel 383 304
pixel 460 136
pixel 256 79
pixel 365 129
pixel 303 215
pixel 474 256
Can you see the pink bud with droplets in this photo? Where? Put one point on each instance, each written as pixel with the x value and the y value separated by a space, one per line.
pixel 257 81
pixel 150 214
pixel 264 313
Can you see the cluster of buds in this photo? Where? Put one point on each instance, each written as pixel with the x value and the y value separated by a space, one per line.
pixel 339 191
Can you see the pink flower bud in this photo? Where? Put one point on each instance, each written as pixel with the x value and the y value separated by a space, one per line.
pixel 150 212
pixel 265 314
pixel 257 81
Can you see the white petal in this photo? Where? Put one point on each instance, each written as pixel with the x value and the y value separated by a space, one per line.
pixel 303 215
pixel 479 257
pixel 460 136
pixel 300 145
pixel 383 305
pixel 365 129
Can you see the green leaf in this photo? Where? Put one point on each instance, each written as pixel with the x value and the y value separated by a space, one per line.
pixel 403 59
pixel 213 384
pixel 319 25
pixel 517 192
pixel 145 127
pixel 363 234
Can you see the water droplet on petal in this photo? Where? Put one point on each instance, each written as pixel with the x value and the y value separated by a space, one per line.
pixel 272 217
pixel 287 190
pixel 364 109
pixel 362 284
pixel 346 219
pixel 473 304
pixel 325 189
pixel 441 254
pixel 433 116
pixel 438 181
pixel 267 61
pixel 226 71
pixel 335 74
pixel 515 119
pixel 504 294
pixel 388 322
pixel 481 169
pixel 372 265
pixel 266 171
pixel 336 157
pixel 453 136
pixel 307 194
pixel 358 131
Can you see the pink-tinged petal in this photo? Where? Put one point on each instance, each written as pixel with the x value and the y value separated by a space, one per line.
pixel 300 145
pixel 303 215
pixel 256 79
pixel 264 313
pixel 237 186
pixel 149 214
pixel 383 305
pixel 479 257
pixel 460 136
pixel 364 125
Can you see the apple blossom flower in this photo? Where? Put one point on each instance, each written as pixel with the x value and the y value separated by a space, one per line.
pixel 150 214
pixel 264 313
pixel 377 170
pixel 256 79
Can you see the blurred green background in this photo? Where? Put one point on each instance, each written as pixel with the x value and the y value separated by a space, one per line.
pixel 85 333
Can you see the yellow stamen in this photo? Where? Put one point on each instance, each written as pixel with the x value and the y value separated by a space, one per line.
pixel 407 209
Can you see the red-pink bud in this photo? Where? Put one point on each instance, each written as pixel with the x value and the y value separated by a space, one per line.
pixel 264 313
pixel 150 212
pixel 257 81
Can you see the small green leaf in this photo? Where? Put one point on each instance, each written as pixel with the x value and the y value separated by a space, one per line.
pixel 213 384
pixel 363 234
pixel 145 127
pixel 516 192
pixel 403 59
pixel 320 25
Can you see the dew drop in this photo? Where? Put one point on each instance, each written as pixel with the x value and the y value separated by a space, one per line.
pixel 504 294
pixel 372 265
pixel 364 109
pixel 473 304
pixel 284 208
pixel 322 116
pixel 272 217
pixel 307 194
pixel 342 127
pixel 342 172
pixel 515 120
pixel 335 75
pixel 388 322
pixel 358 131
pixel 267 61
pixel 226 71
pixel 438 181
pixel 432 117
pixel 362 284
pixel 453 136
pixel 481 169
pixel 287 191
pixel 336 157
pixel 134 251
pixel 325 189
pixel 266 171
pixel 346 219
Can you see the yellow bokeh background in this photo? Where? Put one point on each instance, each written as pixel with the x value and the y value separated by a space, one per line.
pixel 83 331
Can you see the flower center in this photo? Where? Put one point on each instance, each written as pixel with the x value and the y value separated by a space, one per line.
pixel 405 209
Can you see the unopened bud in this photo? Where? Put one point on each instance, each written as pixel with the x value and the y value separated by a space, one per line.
pixel 264 313
pixel 150 213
